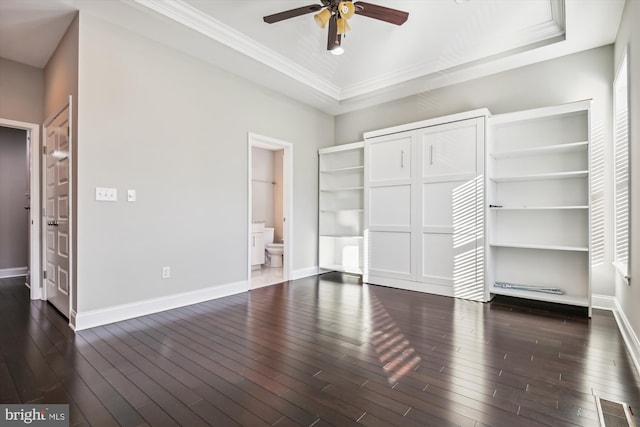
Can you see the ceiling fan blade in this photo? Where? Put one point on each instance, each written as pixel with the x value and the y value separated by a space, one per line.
pixel 381 13
pixel 334 38
pixel 281 16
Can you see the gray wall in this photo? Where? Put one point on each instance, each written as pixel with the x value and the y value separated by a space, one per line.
pixel 21 92
pixel 176 130
pixel 629 35
pixel 14 184
pixel 60 81
pixel 575 77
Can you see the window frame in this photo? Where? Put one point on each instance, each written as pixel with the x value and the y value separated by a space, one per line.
pixel 623 185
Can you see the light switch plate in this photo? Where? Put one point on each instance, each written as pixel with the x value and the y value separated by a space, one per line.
pixel 105 194
pixel 131 195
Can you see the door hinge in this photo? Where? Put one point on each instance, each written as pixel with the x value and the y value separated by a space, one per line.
pixel 44 274
pixel 44 149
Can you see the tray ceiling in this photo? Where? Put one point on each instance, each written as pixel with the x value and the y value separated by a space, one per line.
pixel 443 41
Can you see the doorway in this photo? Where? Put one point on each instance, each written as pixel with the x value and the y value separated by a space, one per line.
pixel 30 202
pixel 269 216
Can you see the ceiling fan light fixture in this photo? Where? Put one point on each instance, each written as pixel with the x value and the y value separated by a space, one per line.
pixel 339 50
pixel 343 26
pixel 322 17
pixel 346 9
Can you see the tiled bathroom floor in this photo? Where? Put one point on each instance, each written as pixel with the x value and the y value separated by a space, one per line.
pixel 266 276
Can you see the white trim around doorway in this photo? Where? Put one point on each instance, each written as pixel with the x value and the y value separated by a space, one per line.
pixel 260 141
pixel 35 269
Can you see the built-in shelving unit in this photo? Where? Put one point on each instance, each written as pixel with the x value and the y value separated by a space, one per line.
pixel 538 204
pixel 341 208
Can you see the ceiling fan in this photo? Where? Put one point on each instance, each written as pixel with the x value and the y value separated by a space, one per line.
pixel 336 13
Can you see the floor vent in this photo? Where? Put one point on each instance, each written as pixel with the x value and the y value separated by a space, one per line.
pixel 614 414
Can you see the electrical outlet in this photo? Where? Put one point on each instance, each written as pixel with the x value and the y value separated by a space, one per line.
pixel 166 272
pixel 106 194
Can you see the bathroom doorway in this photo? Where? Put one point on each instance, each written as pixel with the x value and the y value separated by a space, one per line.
pixel 28 204
pixel 270 207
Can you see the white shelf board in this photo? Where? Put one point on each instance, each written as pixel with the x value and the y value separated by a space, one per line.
pixel 539 208
pixel 548 149
pixel 342 268
pixel 342 170
pixel 335 190
pixel 343 236
pixel 542 176
pixel 540 296
pixel 340 210
pixel 541 247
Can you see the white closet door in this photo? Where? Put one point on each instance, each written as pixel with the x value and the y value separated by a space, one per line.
pixel 388 205
pixel 451 195
pixel 449 150
pixel 389 159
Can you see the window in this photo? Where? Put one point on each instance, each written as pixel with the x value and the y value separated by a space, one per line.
pixel 621 159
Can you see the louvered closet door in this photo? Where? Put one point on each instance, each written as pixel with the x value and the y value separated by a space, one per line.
pixel 388 205
pixel 450 230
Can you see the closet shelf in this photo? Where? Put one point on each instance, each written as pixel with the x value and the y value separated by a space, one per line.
pixel 539 208
pixel 542 176
pixel 539 296
pixel 539 246
pixel 352 269
pixel 548 149
pixel 342 236
pixel 343 170
pixel 340 210
pixel 336 190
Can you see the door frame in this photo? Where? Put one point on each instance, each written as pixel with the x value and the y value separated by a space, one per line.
pixel 260 141
pixel 43 164
pixel 33 139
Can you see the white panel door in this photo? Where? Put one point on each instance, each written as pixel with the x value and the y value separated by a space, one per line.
pixel 388 205
pixel 57 237
pixel 451 208
pixel 390 254
pixel 389 159
pixel 449 150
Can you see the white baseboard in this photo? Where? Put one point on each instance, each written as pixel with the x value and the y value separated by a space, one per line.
pixel 603 302
pixel 13 272
pixel 628 334
pixel 606 302
pixel 92 318
pixel 304 272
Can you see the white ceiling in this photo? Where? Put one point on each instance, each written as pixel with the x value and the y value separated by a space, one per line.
pixel 443 41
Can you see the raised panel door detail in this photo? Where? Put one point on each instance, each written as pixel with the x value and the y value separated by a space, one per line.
pixel 57 212
pixel 390 254
pixel 449 151
pixel 390 160
pixel 439 202
pixel 448 262
pixel 390 206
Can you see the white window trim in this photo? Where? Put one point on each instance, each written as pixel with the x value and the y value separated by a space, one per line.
pixel 621 266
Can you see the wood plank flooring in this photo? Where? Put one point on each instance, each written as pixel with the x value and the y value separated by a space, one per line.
pixel 318 351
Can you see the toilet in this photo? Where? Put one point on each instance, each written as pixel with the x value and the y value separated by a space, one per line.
pixel 273 251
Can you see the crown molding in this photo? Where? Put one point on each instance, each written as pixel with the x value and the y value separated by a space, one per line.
pixel 533 37
pixel 193 18
pixel 529 38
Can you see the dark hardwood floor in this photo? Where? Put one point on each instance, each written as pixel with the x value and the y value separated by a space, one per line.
pixel 316 352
